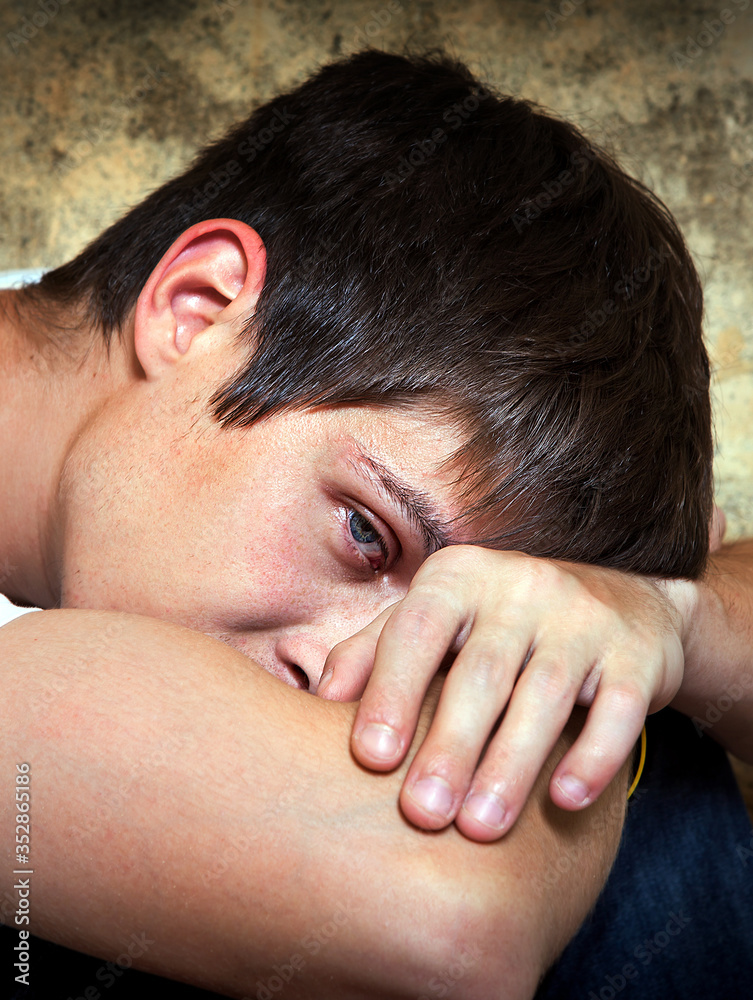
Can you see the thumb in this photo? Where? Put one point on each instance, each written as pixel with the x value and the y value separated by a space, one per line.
pixel 349 664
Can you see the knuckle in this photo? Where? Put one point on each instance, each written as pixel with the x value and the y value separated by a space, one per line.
pixel 538 579
pixel 449 755
pixel 344 647
pixel 590 608
pixel 505 773
pixel 552 682
pixel 626 698
pixel 378 706
pixel 541 571
pixel 454 562
pixel 485 667
pixel 431 611
pixel 499 761
pixel 414 624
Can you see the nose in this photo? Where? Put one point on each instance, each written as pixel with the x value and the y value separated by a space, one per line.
pixel 302 657
pixel 297 648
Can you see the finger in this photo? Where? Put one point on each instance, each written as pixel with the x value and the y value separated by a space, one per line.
pixel 410 650
pixel 613 726
pixel 538 712
pixel 349 664
pixel 475 693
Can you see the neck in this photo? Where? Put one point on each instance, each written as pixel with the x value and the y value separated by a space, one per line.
pixel 46 397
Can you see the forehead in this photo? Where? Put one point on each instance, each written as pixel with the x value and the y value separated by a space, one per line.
pixel 404 450
pixel 414 437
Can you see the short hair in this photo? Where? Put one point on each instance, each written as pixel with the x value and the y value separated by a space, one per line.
pixel 429 240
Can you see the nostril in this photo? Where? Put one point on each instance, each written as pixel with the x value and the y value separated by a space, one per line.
pixel 301 657
pixel 299 676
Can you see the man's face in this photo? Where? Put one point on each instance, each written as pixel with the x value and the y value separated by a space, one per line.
pixel 281 539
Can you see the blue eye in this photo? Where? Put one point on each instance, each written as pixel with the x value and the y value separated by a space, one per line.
pixel 368 540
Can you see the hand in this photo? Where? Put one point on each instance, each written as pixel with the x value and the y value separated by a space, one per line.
pixel 532 638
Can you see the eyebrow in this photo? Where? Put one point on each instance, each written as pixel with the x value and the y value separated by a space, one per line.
pixel 418 506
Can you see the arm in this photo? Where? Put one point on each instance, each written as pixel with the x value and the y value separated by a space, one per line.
pixel 163 805
pixel 717 687
pixel 532 637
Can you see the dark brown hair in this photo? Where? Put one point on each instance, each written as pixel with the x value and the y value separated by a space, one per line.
pixel 430 240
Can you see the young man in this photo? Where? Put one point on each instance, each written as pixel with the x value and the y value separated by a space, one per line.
pixel 278 401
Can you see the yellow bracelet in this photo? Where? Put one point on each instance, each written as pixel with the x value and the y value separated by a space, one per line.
pixel 641 762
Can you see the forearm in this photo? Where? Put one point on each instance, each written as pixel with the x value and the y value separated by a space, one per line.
pixel 717 688
pixel 181 793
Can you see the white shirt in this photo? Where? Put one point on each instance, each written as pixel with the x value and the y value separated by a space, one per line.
pixel 15 279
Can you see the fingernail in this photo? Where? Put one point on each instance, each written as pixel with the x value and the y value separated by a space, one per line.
pixel 434 795
pixel 324 681
pixel 486 809
pixel 573 788
pixel 379 741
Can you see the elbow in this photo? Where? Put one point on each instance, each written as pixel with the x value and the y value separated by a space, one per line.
pixel 467 946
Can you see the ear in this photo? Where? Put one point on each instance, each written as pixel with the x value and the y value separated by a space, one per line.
pixel 211 275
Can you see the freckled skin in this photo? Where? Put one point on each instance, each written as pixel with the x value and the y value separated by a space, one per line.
pixel 242 534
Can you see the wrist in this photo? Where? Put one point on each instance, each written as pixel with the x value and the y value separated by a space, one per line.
pixel 684 597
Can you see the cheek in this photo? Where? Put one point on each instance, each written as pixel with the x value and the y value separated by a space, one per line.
pixel 278 548
pixel 188 534
pixel 136 524
pixel 104 522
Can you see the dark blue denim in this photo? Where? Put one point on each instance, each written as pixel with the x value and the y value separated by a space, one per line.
pixel 675 918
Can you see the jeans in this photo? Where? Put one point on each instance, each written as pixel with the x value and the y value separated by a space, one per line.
pixel 675 918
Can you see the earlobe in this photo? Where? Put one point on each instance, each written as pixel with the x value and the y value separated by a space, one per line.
pixel 211 275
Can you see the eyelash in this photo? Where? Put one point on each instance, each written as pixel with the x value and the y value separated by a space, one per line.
pixel 379 540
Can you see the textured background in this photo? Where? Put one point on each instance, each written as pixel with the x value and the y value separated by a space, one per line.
pixel 102 101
